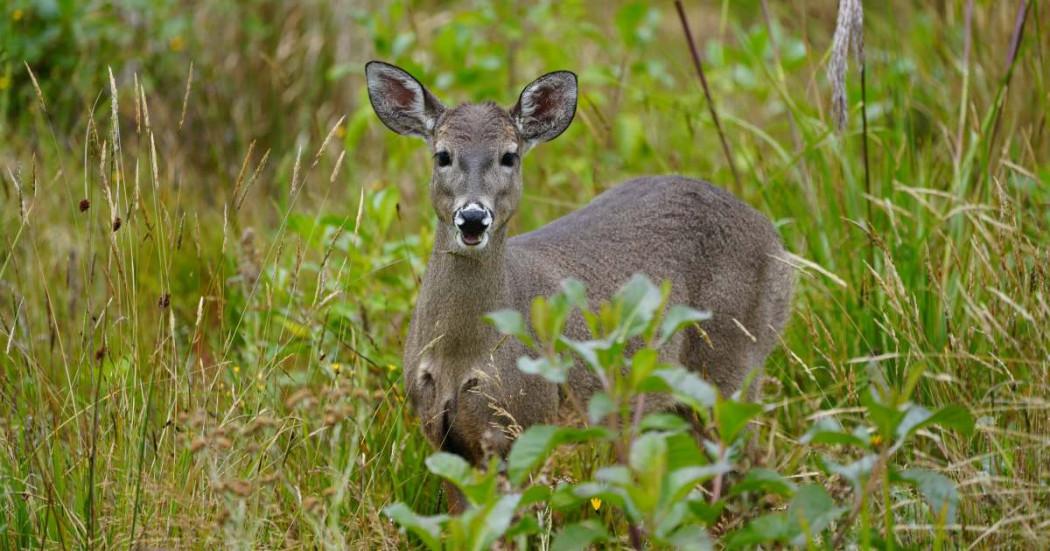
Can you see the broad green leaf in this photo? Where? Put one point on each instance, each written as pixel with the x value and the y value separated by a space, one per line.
pixel 575 292
pixel 527 526
pixel 586 350
pixel 856 472
pixel 642 364
pixel 731 416
pixel 952 416
pixel 579 536
pixel 827 430
pixel 614 474
pixel 599 407
pixel 451 467
pixel 648 460
pixel 885 418
pixel 680 482
pixel 497 519
pixel 764 481
pixel 684 385
pixel 638 300
pixel 767 528
pixel 535 494
pixel 811 511
pixel 537 442
pixel 691 538
pixel 939 491
pixel 551 370
pixel 427 529
pixel 667 422
pixel 677 318
pixel 510 322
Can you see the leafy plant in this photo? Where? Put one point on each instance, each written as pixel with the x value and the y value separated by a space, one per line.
pixel 656 479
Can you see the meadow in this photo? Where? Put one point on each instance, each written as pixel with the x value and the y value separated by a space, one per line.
pixel 210 249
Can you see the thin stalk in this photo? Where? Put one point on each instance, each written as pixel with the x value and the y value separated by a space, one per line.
pixel 707 93
pixel 1011 62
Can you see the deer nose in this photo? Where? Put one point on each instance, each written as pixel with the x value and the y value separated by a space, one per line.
pixel 472 220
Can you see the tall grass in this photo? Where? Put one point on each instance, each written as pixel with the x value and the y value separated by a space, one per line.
pixel 205 281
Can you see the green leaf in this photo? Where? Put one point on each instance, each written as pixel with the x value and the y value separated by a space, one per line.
pixel 731 416
pixel 885 418
pixel 667 422
pixel 553 371
pixel 451 467
pixel 811 511
pixel 917 417
pixel 691 538
pixel 527 526
pixel 827 430
pixel 856 472
pixel 579 536
pixel 537 442
pixel 677 318
pixel 535 494
pixel 575 292
pixel 642 364
pixel 764 481
pixel 427 529
pixel 680 482
pixel 768 528
pixel 497 519
pixel 599 407
pixel 648 460
pixel 540 316
pixel 638 300
pixel 510 322
pixel 586 350
pixel 684 385
pixel 939 491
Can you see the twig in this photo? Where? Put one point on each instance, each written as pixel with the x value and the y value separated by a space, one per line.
pixel 707 92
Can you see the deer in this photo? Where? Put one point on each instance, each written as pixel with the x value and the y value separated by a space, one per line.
pixel 460 373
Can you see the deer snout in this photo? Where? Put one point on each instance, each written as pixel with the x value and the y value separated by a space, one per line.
pixel 473 221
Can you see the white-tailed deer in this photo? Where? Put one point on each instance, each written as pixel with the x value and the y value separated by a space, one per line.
pixel 461 376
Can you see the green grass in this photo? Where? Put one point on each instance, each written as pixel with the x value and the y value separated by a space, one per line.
pixel 224 367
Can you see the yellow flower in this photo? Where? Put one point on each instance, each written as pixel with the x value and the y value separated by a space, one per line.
pixel 596 502
pixel 177 44
pixel 340 132
pixel 876 440
pixel 236 369
pixel 337 367
pixel 17 15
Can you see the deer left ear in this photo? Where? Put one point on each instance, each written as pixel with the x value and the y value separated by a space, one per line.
pixel 546 107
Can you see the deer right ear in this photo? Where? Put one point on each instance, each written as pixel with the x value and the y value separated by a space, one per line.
pixel 401 102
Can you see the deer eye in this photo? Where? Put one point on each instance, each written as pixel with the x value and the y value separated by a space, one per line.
pixel 443 158
pixel 508 159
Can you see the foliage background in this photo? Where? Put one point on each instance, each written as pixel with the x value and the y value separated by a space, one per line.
pixel 208 348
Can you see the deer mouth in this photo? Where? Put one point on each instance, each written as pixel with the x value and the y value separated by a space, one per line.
pixel 470 239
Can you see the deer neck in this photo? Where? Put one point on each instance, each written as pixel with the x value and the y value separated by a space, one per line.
pixel 458 290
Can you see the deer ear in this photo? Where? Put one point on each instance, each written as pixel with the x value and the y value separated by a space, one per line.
pixel 401 102
pixel 546 107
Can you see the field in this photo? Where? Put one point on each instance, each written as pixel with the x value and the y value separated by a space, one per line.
pixel 210 248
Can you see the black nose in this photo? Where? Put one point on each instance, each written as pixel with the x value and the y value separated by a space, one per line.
pixel 473 219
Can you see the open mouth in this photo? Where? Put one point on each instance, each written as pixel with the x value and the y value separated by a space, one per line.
pixel 471 239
